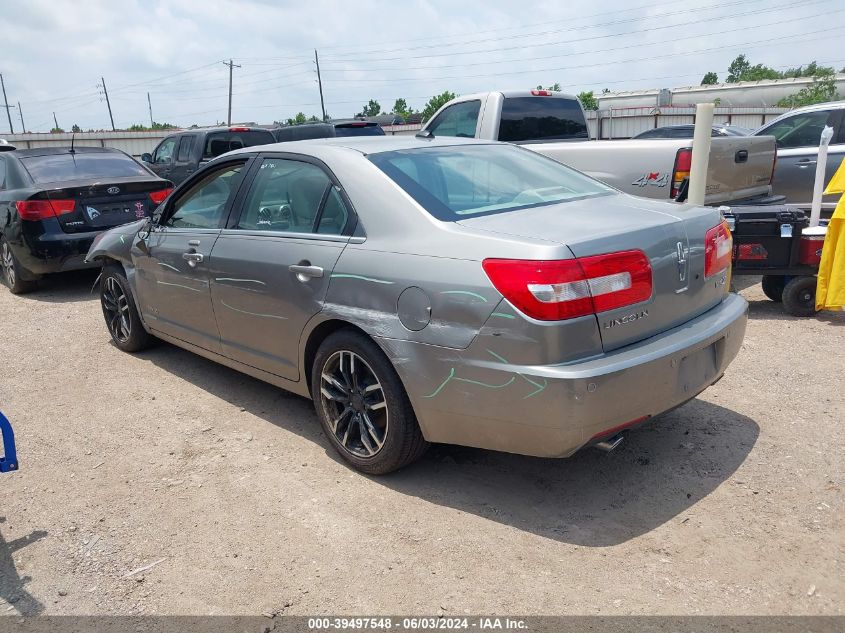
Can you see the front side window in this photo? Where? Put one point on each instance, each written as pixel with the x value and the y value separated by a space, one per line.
pixel 164 152
pixel 801 130
pixel 453 183
pixel 204 205
pixel 460 119
pixel 293 197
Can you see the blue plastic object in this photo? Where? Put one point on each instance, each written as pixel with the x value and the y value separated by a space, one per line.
pixel 9 459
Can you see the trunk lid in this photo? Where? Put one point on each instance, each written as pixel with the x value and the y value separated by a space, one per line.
pixel 671 235
pixel 106 204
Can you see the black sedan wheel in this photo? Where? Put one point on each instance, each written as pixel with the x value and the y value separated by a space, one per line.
pixel 121 315
pixel 363 406
pixel 11 270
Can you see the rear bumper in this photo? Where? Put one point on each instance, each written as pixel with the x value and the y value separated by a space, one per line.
pixel 469 398
pixel 52 252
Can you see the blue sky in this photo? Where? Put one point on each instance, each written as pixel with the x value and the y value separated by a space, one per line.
pixel 56 51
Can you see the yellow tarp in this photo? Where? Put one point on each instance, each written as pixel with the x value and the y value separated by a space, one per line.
pixel 830 291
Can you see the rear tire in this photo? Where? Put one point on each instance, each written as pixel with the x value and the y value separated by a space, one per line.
pixel 362 405
pixel 121 314
pixel 799 296
pixel 11 271
pixel 773 286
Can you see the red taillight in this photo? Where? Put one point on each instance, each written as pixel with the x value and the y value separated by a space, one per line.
pixel 239 129
pixel 43 209
pixel 718 246
pixel 158 196
pixel 541 93
pixel 683 164
pixel 565 289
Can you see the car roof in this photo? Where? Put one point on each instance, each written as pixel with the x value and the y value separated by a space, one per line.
pixel 362 144
pixel 52 151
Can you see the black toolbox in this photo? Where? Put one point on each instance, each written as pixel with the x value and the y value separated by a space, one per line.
pixel 767 239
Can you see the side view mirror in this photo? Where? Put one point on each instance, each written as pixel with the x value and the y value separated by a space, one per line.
pixel 147 157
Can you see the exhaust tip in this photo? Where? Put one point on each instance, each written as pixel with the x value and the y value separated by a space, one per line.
pixel 610 443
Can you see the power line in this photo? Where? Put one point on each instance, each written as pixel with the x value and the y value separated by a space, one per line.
pixel 602 25
pixel 590 38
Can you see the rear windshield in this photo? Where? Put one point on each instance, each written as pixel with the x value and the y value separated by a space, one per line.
pixel 358 130
pixel 453 183
pixel 303 132
pixel 541 118
pixel 82 165
pixel 218 143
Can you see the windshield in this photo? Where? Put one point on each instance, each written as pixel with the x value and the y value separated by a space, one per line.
pixel 456 182
pixel 82 165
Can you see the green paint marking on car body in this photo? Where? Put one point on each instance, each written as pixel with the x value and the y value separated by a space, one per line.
pixel 503 315
pixel 361 277
pixel 484 384
pixel 443 384
pixel 465 292
pixel 497 357
pixel 258 314
pixel 539 387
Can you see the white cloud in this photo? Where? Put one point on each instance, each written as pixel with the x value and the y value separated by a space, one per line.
pixel 55 51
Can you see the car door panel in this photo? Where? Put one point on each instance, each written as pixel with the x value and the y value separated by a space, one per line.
pixel 261 304
pixel 272 265
pixel 173 284
pixel 172 267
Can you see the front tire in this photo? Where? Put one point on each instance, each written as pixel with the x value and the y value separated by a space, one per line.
pixel 799 296
pixel 11 270
pixel 362 405
pixel 121 314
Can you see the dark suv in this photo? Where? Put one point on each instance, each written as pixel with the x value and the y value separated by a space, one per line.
pixel 182 153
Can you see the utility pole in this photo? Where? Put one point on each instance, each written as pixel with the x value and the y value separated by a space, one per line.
pixel 320 82
pixel 6 105
pixel 106 92
pixel 150 104
pixel 56 121
pixel 21 113
pixel 231 66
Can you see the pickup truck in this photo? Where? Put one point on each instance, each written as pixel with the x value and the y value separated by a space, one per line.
pixel 180 154
pixel 553 123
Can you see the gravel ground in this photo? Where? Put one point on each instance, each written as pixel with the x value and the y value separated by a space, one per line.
pixel 223 492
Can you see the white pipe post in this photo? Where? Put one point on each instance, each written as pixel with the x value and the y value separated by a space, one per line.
pixel 821 165
pixel 700 153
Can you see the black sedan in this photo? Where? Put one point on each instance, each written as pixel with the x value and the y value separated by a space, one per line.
pixel 54 201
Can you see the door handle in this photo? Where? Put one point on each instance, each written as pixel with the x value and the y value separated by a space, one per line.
pixel 193 242
pixel 304 272
pixel 193 258
pixel 805 162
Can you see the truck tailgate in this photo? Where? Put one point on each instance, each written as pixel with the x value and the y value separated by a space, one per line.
pixel 739 168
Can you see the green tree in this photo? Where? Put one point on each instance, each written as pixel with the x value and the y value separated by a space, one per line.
pixel 588 100
pixel 822 89
pixel 710 79
pixel 76 129
pixel 810 70
pixel 373 108
pixel 57 130
pixel 554 87
pixel 742 70
pixel 435 103
pixel 401 108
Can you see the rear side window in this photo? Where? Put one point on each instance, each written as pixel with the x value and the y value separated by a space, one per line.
pixel 358 130
pixel 541 118
pixel 185 149
pixel 218 143
pixel 60 167
pixel 460 119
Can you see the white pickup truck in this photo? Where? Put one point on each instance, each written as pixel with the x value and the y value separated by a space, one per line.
pixel 553 123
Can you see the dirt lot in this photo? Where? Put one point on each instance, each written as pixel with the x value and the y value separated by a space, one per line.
pixel 732 504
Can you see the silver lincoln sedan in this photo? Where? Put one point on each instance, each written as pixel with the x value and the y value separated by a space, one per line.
pixel 432 290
